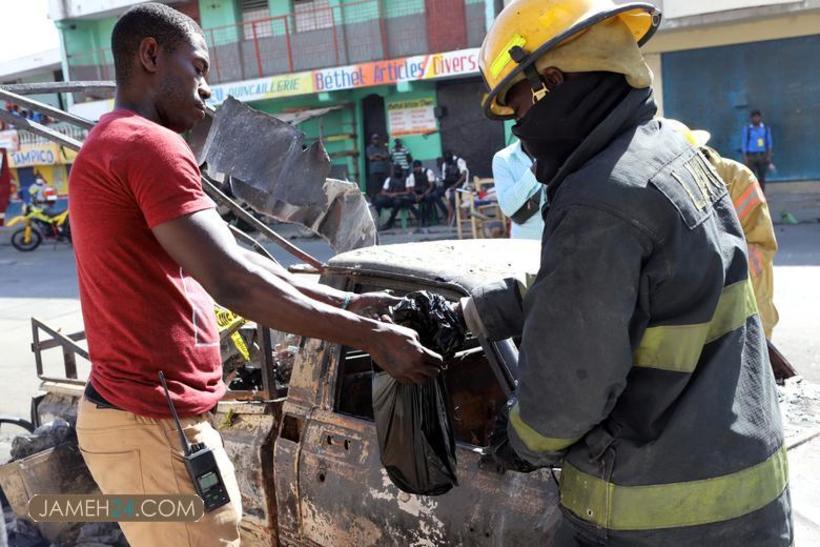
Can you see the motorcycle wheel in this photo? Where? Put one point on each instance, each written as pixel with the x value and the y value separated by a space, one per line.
pixel 19 243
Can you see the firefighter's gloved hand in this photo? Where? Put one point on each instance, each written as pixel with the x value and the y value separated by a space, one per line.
pixel 500 455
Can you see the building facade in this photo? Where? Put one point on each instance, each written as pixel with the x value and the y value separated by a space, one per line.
pixel 718 60
pixel 26 155
pixel 340 70
pixel 344 69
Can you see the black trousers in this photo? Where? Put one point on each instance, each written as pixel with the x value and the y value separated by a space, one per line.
pixel 396 203
pixel 428 205
pixel 759 164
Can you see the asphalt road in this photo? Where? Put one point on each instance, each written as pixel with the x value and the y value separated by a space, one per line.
pixel 43 284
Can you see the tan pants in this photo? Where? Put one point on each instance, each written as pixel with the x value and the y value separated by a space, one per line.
pixel 130 454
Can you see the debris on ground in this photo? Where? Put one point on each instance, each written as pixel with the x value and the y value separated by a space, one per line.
pixel 22 533
pixel 246 377
pixel 101 534
pixel 44 437
pixel 800 408
pixel 284 354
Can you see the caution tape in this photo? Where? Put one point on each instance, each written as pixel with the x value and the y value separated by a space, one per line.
pixel 228 321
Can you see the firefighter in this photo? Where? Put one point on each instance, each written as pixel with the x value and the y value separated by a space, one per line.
pixel 643 368
pixel 753 212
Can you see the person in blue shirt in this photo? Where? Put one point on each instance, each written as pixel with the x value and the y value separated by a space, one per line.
pixel 756 144
pixel 520 195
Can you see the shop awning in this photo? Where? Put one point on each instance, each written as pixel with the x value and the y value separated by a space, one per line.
pixel 295 118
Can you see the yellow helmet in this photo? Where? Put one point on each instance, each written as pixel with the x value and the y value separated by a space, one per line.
pixel 526 29
pixel 696 137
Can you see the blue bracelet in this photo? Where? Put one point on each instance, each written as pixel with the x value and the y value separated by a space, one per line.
pixel 346 303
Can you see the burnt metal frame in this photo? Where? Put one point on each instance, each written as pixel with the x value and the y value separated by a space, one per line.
pixel 207 184
pixel 70 347
pixel 268 391
pixel 68 343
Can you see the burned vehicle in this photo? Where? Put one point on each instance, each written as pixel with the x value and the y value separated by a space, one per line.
pixel 304 442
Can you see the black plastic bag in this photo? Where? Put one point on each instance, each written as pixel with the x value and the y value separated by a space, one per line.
pixel 413 421
pixel 430 315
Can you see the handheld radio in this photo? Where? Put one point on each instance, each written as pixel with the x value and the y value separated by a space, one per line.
pixel 201 464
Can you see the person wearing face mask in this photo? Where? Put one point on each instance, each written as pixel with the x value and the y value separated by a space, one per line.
pixel 643 371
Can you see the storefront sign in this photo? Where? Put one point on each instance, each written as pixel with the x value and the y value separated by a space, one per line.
pixel 414 117
pixel 29 155
pixel 407 69
pixel 285 85
pixel 450 64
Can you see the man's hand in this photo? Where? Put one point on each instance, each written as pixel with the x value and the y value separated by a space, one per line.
pixel 372 304
pixel 398 351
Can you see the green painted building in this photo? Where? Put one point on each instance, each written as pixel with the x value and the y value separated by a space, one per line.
pixel 340 69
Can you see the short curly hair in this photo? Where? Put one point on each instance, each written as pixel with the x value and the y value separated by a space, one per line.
pixel 167 26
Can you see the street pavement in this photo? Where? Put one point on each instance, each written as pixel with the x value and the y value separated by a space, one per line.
pixel 43 284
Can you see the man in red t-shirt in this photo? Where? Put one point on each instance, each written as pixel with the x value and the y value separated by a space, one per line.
pixel 151 252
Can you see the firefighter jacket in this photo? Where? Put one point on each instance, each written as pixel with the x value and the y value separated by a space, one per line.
pixel 643 365
pixel 753 213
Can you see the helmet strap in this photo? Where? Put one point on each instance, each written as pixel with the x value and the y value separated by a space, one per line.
pixel 537 83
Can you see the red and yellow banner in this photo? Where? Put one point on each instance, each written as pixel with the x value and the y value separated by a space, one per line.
pixel 406 69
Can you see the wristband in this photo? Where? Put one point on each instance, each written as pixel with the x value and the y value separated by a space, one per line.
pixel 347 300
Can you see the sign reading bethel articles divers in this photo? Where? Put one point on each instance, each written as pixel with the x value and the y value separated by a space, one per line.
pixel 463 62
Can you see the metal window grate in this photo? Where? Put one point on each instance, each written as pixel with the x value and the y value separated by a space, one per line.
pixel 312 14
pixel 254 15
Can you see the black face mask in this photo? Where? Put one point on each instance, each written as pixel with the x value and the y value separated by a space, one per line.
pixel 557 124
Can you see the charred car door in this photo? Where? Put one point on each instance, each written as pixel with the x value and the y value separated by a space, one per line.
pixel 346 497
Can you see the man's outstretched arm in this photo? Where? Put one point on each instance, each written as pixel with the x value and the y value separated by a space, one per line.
pixel 203 246
pixel 372 302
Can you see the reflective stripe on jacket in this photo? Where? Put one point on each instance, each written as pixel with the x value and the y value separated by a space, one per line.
pixel 643 365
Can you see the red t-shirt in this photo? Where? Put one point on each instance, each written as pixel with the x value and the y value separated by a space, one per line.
pixel 142 313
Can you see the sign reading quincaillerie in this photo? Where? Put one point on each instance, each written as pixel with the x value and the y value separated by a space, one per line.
pixel 286 85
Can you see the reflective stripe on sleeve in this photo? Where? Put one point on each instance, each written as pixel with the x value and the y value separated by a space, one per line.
pixel 746 203
pixel 676 504
pixel 678 347
pixel 532 439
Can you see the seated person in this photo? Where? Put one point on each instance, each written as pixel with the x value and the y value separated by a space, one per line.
pixel 454 173
pixel 423 184
pixel 395 194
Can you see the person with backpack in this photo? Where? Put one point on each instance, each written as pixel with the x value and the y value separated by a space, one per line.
pixel 757 147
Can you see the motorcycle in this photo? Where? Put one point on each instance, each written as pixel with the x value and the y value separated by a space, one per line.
pixel 39 224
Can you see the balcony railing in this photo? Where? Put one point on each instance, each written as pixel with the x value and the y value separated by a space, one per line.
pixel 64 128
pixel 324 36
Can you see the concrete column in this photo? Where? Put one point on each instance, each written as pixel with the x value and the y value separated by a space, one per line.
pixel 67 99
pixel 489 13
pixel 654 62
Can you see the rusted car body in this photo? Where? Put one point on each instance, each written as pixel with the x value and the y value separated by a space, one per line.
pixel 308 462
